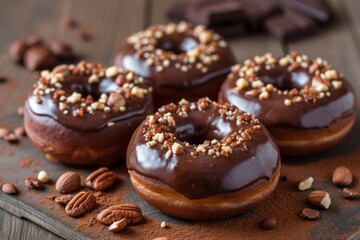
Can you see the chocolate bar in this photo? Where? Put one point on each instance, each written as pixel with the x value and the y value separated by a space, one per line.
pixel 290 26
pixel 316 9
pixel 214 13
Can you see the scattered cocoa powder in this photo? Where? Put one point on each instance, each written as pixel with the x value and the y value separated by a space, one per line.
pixel 26 162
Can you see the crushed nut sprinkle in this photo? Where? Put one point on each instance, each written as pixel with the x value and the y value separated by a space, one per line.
pixel 324 78
pixel 129 87
pixel 145 44
pixel 159 129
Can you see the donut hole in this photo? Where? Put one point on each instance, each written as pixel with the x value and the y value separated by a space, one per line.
pixel 178 44
pixel 197 134
pixel 78 85
pixel 285 80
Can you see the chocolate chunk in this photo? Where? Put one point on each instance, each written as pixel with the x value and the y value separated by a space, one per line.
pixel 257 11
pixel 39 58
pixel 316 9
pixel 290 26
pixel 17 51
pixel 214 12
pixel 231 30
pixel 62 50
pixel 178 11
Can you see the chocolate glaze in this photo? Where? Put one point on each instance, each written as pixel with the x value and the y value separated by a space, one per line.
pixel 204 175
pixel 173 77
pixel 89 122
pixel 273 112
pixel 130 58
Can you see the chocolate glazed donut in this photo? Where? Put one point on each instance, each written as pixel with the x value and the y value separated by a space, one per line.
pixel 203 160
pixel 86 114
pixel 306 104
pixel 184 61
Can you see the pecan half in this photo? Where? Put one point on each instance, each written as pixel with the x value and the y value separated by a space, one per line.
pixel 101 179
pixel 81 203
pixel 130 212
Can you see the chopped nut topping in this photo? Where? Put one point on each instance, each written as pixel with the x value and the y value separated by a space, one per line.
pixel 159 129
pixel 264 95
pixel 146 45
pixel 246 76
pixel 168 154
pixel 287 102
pixel 336 84
pixel 93 79
pixel 177 149
pixel 74 98
pixel 112 72
pixel 129 86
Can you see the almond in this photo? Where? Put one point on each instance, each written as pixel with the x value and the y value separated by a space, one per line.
pixel 342 177
pixel 306 184
pixel 351 193
pixel 68 182
pixel 118 225
pixel 81 203
pixel 101 179
pixel 319 198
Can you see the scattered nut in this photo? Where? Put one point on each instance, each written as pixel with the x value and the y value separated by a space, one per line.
pixel 101 179
pixel 342 177
pixel 63 200
pixel 3 132
pixel 319 198
pixel 163 224
pixel 68 182
pixel 10 189
pixel 306 184
pixel 20 132
pixel 43 176
pixel 268 223
pixel 351 193
pixel 81 203
pixel 130 212
pixel 34 183
pixel 11 138
pixel 310 214
pixel 118 225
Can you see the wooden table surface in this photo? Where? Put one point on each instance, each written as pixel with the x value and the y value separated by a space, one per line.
pixel 111 21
